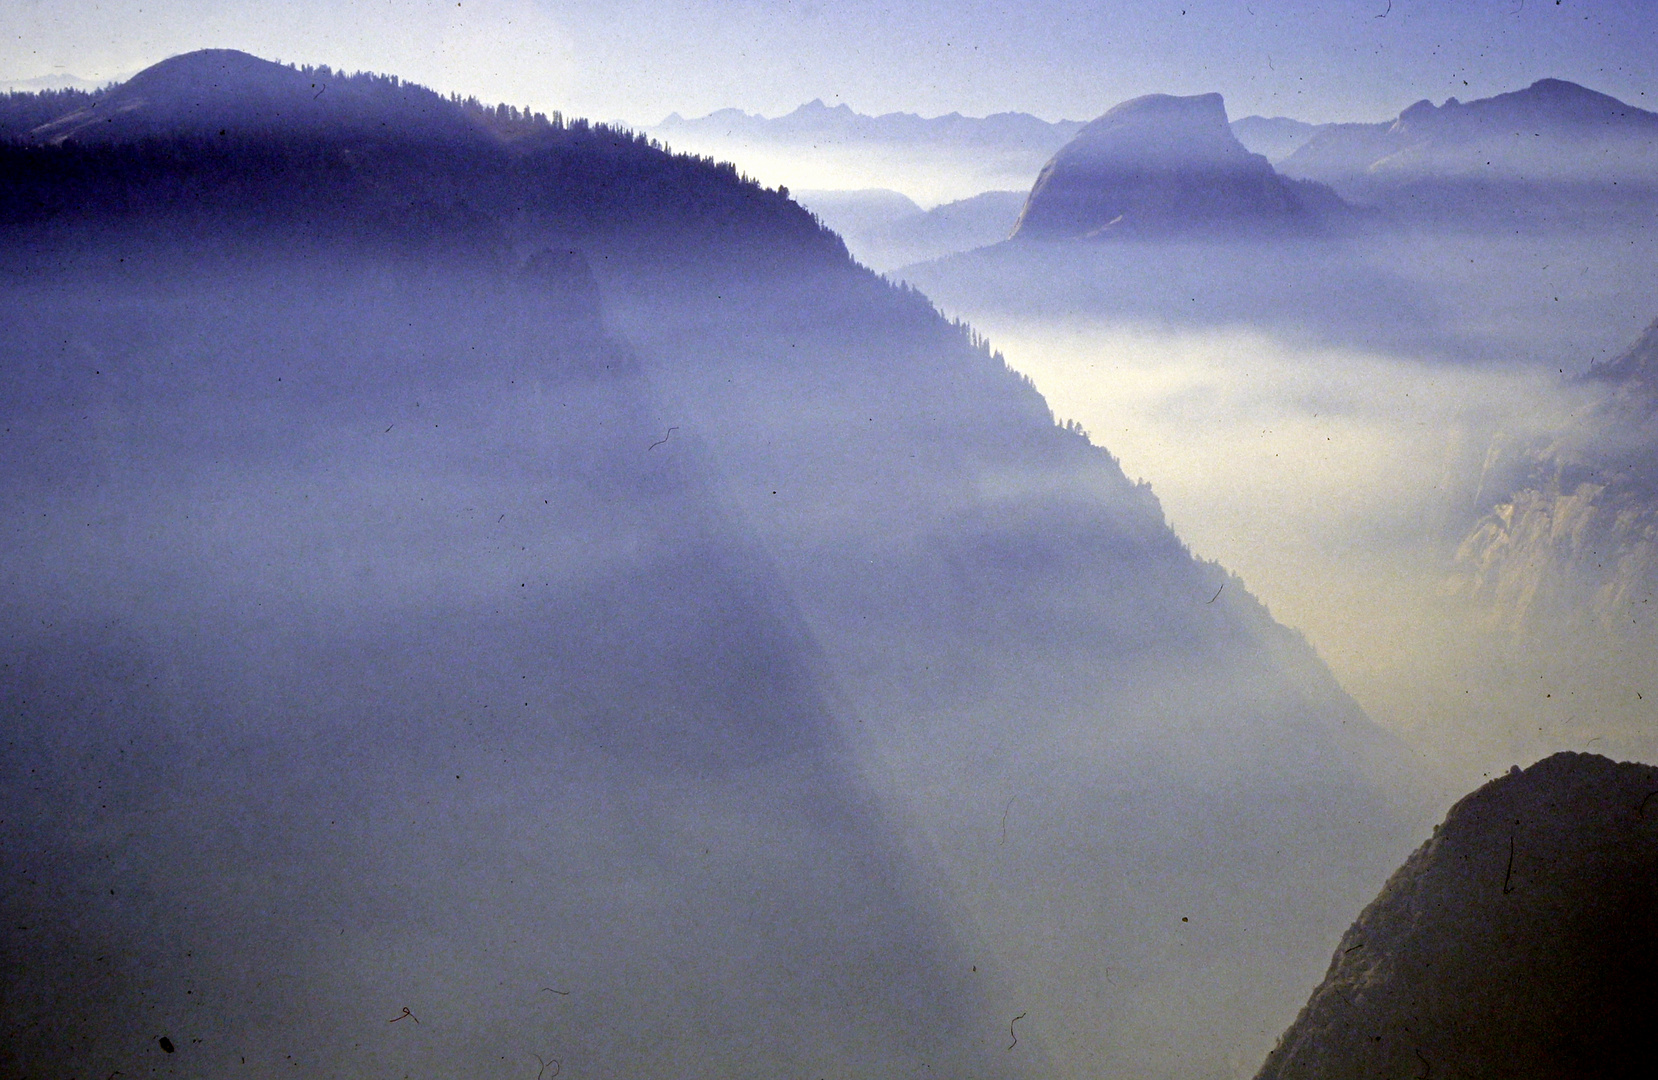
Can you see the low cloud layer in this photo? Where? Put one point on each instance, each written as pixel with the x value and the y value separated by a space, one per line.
pixel 1337 484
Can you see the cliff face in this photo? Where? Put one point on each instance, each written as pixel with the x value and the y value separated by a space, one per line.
pixel 1584 552
pixel 1557 567
pixel 1518 941
pixel 1572 531
pixel 1165 165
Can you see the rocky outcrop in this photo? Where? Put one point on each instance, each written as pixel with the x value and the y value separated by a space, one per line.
pixel 1573 533
pixel 1161 165
pixel 1517 942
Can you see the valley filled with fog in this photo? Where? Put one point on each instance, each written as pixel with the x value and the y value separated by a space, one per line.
pixel 1333 448
pixel 1330 415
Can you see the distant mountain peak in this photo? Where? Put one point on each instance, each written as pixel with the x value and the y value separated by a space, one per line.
pixel 1553 132
pixel 1559 86
pixel 1563 89
pixel 1161 131
pixel 1161 164
pixel 1421 110
pixel 1206 108
pixel 64 81
pixel 817 105
pixel 1544 101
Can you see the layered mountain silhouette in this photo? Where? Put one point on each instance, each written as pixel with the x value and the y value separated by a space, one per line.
pixel 1165 165
pixel 885 230
pixel 986 218
pixel 482 588
pixel 1518 941
pixel 933 159
pixel 1553 141
pixel 856 214
pixel 817 122
pixel 1275 137
pixel 377 159
pixel 52 83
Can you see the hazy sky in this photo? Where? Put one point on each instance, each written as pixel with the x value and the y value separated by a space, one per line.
pixel 638 60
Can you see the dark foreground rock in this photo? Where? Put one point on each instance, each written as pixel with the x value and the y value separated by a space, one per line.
pixel 1519 941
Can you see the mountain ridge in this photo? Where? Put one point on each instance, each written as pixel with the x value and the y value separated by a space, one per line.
pixel 217 91
pixel 184 138
pixel 1553 141
pixel 1273 137
pixel 816 119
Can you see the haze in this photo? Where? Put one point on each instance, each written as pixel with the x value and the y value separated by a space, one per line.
pixel 486 594
pixel 638 61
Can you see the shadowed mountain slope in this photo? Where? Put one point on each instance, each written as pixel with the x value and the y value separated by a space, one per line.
pixel 21 111
pixel 381 159
pixel 1517 942
pixel 884 230
pixel 221 91
pixel 554 590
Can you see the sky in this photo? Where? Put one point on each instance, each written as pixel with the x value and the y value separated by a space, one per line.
pixel 638 60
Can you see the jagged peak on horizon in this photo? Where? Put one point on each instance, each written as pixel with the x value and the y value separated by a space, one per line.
pixel 818 109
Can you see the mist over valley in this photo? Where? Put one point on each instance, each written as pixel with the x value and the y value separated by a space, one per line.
pixel 487 591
